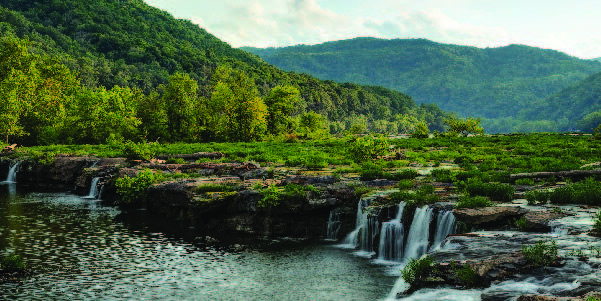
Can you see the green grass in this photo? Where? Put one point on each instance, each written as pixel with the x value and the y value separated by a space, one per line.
pixel 473 202
pixel 541 254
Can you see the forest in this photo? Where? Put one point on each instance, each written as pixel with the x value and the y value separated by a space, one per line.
pixel 130 71
pixel 515 88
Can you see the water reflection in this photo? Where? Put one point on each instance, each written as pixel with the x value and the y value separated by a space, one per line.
pixel 84 252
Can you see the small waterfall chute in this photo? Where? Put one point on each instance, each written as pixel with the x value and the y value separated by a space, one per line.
pixel 93 194
pixel 392 237
pixel 333 226
pixel 12 172
pixel 418 238
pixel 445 225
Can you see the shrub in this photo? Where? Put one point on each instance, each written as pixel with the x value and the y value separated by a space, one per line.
pixel 473 202
pixel 495 191
pixel 562 195
pixel 405 184
pixel 271 197
pixel 467 276
pixel 522 223
pixel 541 254
pixel 584 192
pixel 315 162
pixel 12 263
pixel 175 161
pixel 404 174
pixel 367 148
pixel 134 189
pixel 597 225
pixel 537 197
pixel 139 151
pixel 213 188
pixel 525 182
pixel 417 269
pixel 442 175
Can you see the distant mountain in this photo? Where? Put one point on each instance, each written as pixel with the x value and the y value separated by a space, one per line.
pixel 129 43
pixel 576 107
pixel 497 84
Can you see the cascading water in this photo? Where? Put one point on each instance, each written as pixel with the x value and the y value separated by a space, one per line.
pixel 333 226
pixel 12 172
pixel 445 225
pixel 93 189
pixel 352 239
pixel 419 233
pixel 392 237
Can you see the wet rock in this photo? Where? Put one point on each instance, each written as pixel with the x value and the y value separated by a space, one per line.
pixel 545 298
pixel 489 217
pixel 538 220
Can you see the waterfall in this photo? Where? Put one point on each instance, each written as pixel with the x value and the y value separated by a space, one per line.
pixel 361 224
pixel 419 233
pixel 12 172
pixel 392 237
pixel 333 226
pixel 93 189
pixel 445 225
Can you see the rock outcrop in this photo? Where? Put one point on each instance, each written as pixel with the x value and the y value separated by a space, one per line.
pixel 489 217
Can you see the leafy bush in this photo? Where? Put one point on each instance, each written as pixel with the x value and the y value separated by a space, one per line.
pixel 368 147
pixel 525 182
pixel 522 223
pixel 584 192
pixel 140 151
pixel 134 189
pixel 495 191
pixel 404 174
pixel 175 161
pixel 12 263
pixel 537 197
pixel 417 269
pixel 541 254
pixel 597 225
pixel 214 188
pixel 271 196
pixel 405 184
pixel 467 276
pixel 442 175
pixel 315 162
pixel 473 202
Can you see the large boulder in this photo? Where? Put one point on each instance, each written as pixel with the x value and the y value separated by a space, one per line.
pixel 539 220
pixel 497 217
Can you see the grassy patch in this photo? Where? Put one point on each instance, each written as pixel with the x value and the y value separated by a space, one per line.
pixel 473 202
pixel 541 254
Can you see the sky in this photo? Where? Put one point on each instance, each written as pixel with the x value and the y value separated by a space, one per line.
pixel 570 26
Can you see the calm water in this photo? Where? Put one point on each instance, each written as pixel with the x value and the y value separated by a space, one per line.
pixel 87 252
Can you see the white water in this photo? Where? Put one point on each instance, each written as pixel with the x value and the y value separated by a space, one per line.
pixel 333 226
pixel 93 189
pixel 12 172
pixel 445 225
pixel 419 233
pixel 392 237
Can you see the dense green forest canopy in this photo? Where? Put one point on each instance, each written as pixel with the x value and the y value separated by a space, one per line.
pixel 133 71
pixel 501 85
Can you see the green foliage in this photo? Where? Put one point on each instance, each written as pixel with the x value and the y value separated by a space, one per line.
pixel 522 223
pixel 508 86
pixel 417 269
pixel 583 192
pixel 271 197
pixel 524 182
pixel 498 192
pixel 541 254
pixel 537 197
pixel 175 161
pixel 132 190
pixel 442 175
pixel 423 196
pixel 473 202
pixel 406 184
pixel 12 263
pixel 464 127
pixel 281 102
pixel 421 130
pixel 204 188
pixel 139 151
pixel 179 97
pixel 597 220
pixel 405 174
pixel 467 276
pixel 368 147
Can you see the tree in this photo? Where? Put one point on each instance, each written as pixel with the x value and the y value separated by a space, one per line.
pixel 312 123
pixel 464 127
pixel 238 113
pixel 421 130
pixel 280 102
pixel 179 98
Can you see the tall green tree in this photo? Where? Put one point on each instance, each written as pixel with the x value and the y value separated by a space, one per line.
pixel 240 114
pixel 179 98
pixel 280 102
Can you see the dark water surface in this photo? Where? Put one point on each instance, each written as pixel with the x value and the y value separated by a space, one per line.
pixel 84 250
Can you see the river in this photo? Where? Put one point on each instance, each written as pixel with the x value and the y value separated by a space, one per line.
pixel 84 250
